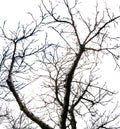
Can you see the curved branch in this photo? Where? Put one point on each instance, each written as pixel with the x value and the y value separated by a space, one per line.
pixel 24 108
pixel 99 30
pixel 69 78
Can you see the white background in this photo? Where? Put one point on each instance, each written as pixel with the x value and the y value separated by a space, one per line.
pixel 16 10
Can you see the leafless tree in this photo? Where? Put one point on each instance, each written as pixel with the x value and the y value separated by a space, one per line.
pixel 17 122
pixel 57 56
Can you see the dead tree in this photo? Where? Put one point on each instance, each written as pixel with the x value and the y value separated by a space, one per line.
pixel 61 67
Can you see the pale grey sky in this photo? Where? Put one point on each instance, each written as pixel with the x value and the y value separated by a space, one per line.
pixel 16 10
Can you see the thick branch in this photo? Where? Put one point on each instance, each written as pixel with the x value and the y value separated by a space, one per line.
pixel 68 88
pixel 72 121
pixel 22 106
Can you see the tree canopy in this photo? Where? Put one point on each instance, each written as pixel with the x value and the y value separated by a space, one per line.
pixel 49 68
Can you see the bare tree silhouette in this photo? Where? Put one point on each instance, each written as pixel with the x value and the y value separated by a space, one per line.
pixel 62 53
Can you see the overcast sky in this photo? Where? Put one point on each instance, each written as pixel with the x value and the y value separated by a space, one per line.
pixel 16 10
pixel 13 10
